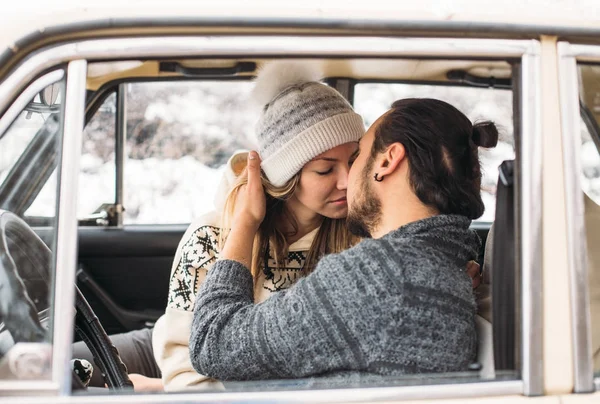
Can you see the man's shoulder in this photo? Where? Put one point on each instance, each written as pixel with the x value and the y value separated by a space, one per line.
pixel 363 253
pixel 373 246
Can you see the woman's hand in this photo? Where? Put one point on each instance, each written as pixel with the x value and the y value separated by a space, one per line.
pixel 473 270
pixel 145 384
pixel 248 214
pixel 250 203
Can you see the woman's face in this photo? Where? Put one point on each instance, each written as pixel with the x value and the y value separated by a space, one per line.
pixel 323 182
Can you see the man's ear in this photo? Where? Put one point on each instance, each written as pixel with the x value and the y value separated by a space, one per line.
pixel 390 159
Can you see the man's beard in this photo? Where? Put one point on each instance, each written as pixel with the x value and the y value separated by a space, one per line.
pixel 364 214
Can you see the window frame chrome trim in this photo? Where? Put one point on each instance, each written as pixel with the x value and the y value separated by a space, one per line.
pixel 120 142
pixel 45 388
pixel 66 237
pixel 583 53
pixel 575 217
pixel 360 47
pixel 373 394
pixel 530 225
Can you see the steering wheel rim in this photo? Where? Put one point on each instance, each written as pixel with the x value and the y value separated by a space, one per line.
pixel 16 308
pixel 21 246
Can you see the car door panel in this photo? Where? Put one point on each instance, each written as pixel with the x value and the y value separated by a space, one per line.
pixel 124 272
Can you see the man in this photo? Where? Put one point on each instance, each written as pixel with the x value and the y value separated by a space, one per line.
pixel 399 302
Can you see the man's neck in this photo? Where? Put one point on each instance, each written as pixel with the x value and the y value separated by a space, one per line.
pixel 392 218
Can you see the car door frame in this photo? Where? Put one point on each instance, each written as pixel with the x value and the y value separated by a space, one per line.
pixel 569 55
pixel 528 51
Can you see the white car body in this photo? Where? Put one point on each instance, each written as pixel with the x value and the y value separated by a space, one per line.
pixel 547 37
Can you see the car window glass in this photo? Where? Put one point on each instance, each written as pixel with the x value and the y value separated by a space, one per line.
pixel 29 132
pixel 590 183
pixel 42 206
pixel 97 175
pixel 97 178
pixel 179 136
pixel 590 165
pixel 15 140
pixel 373 99
pixel 28 153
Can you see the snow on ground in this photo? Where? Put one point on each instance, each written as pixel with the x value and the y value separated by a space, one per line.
pixel 166 191
pixel 175 192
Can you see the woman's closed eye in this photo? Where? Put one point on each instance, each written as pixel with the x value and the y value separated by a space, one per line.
pixel 325 172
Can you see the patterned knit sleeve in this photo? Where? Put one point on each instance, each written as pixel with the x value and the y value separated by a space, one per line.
pixel 197 255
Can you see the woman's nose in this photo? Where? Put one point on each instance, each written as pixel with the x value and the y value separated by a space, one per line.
pixel 342 182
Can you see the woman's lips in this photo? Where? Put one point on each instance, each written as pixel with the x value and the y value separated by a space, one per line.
pixel 341 201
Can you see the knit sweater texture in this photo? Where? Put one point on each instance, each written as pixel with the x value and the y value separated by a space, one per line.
pixel 401 304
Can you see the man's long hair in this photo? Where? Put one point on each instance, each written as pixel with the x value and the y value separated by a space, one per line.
pixel 441 145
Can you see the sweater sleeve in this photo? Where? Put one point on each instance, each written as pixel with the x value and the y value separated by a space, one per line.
pixel 196 253
pixel 234 339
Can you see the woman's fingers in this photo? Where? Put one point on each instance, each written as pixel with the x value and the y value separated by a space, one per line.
pixel 254 171
pixel 250 203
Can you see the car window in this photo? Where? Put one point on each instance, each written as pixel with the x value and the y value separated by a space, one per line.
pixel 179 136
pixel 178 133
pixel 373 99
pixel 590 165
pixel 29 131
pixel 97 180
pixel 590 183
pixel 97 175
pixel 28 153
pixel 16 139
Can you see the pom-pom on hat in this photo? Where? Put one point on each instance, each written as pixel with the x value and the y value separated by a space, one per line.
pixel 300 118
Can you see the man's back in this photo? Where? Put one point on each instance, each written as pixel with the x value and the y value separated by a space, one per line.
pixel 415 297
pixel 396 305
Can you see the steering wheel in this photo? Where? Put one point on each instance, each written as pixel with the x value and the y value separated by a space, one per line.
pixel 24 260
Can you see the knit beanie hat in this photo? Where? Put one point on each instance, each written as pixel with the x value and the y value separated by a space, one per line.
pixel 301 118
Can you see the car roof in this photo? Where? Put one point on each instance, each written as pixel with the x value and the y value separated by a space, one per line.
pixel 27 26
pixel 21 19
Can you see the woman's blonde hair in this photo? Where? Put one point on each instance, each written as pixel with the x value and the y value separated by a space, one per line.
pixel 332 236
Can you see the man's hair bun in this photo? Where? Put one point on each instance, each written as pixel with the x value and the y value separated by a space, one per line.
pixel 485 134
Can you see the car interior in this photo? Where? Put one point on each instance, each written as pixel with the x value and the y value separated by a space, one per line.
pixel 114 253
pixel 151 248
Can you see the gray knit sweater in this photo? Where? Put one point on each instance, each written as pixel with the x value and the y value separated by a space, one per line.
pixel 391 306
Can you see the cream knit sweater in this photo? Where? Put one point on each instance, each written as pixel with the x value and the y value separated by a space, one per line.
pixel 197 252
